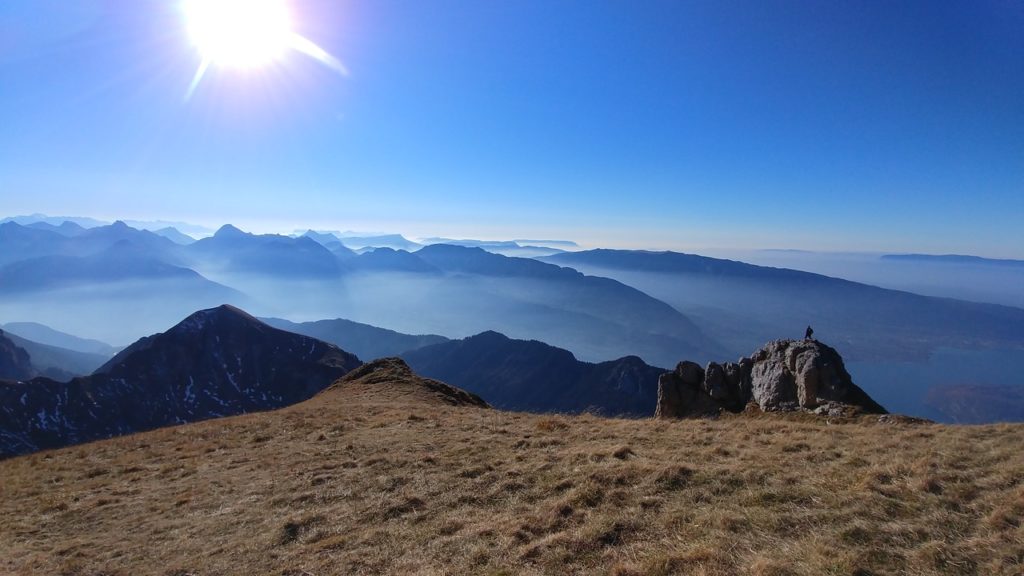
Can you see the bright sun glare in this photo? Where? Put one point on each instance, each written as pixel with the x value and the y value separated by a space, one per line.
pixel 239 33
pixel 246 34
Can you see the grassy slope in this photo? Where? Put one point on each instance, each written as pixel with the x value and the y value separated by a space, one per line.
pixel 346 483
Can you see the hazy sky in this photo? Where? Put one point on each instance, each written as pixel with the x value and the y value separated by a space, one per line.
pixel 817 125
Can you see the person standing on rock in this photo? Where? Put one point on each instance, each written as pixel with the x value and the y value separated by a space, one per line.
pixel 809 333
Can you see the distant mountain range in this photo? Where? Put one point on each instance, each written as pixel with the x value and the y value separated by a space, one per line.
pixel 116 270
pixel 21 243
pixel 54 362
pixel 216 362
pixel 954 259
pixel 115 283
pixel 123 261
pixel 232 250
pixel 83 222
pixel 742 305
pixel 367 342
pixel 46 335
pixel 516 248
pixel 393 241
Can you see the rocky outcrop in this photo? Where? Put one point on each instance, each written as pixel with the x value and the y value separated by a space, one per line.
pixel 784 375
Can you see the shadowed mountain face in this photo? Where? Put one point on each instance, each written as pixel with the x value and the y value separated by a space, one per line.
pixel 216 362
pixel 14 360
pixel 58 363
pixel 535 377
pixel 363 340
pixel 743 305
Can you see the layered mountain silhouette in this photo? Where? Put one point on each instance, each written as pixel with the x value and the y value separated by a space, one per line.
pixel 19 242
pixel 390 260
pixel 57 363
pixel 65 228
pixel 597 318
pixel 174 235
pixel 742 305
pixel 955 259
pixel 332 243
pixel 120 262
pixel 527 375
pixel 363 340
pixel 216 362
pixel 46 335
pixel 232 250
pixel 393 241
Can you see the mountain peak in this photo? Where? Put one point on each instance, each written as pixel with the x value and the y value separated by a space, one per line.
pixel 204 319
pixel 228 231
pixel 391 381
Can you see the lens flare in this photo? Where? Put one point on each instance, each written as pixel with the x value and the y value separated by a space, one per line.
pixel 246 34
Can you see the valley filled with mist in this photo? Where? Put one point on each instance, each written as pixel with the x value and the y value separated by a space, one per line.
pixel 114 284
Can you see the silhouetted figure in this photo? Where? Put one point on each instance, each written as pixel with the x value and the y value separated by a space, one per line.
pixel 809 333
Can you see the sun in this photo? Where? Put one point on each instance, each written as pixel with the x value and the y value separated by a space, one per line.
pixel 239 33
pixel 246 34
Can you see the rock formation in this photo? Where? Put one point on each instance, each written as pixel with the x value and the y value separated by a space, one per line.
pixel 784 375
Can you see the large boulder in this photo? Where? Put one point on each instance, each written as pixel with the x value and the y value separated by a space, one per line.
pixel 784 375
pixel 681 393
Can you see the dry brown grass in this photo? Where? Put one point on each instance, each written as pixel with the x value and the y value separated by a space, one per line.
pixel 344 485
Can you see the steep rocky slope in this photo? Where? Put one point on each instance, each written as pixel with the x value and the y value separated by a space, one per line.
pixel 216 362
pixel 15 363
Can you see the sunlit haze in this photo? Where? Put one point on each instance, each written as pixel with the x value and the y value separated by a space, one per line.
pixel 819 126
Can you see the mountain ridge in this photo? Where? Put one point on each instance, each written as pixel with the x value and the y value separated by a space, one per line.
pixel 216 362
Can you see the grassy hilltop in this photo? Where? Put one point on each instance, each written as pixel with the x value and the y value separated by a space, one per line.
pixel 384 475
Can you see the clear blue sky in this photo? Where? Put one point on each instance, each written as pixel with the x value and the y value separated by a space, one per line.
pixel 817 125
